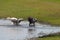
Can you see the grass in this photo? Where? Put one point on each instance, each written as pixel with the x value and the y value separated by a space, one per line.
pixel 50 38
pixel 43 10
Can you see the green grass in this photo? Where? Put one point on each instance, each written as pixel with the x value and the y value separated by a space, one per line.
pixel 50 38
pixel 44 10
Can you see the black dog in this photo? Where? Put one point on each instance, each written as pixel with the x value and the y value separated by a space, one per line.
pixel 32 21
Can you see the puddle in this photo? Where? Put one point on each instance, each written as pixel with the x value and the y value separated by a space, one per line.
pixel 8 31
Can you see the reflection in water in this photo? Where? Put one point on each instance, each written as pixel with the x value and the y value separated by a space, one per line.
pixel 31 31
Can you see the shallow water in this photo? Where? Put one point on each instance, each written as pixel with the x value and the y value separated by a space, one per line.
pixel 8 31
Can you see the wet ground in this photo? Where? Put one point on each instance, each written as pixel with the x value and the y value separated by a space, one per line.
pixel 8 31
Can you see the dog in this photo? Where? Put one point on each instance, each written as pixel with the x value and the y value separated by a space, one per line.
pixel 32 21
pixel 14 20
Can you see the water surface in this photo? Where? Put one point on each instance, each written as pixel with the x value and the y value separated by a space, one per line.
pixel 8 31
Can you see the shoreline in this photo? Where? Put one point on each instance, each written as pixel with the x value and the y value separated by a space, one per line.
pixel 46 36
pixel 47 23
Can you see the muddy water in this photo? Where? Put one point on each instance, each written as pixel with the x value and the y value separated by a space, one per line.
pixel 8 31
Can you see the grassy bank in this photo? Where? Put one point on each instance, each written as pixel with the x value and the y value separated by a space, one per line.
pixel 43 10
pixel 50 38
